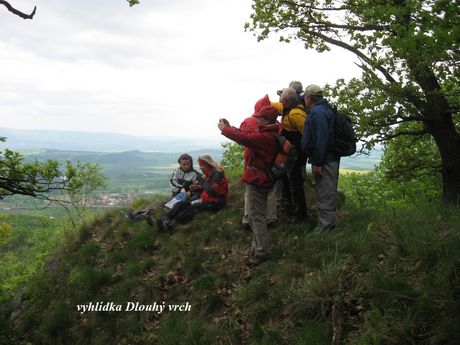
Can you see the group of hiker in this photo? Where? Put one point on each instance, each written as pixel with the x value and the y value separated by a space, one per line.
pixel 306 122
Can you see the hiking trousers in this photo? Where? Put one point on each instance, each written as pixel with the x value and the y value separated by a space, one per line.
pixel 326 196
pixel 184 211
pixel 273 201
pixel 257 202
pixel 296 186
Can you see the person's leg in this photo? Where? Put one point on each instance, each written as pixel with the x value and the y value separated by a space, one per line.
pixel 286 197
pixel 245 220
pixel 326 197
pixel 138 215
pixel 188 213
pixel 177 208
pixel 164 222
pixel 257 198
pixel 273 200
pixel 297 190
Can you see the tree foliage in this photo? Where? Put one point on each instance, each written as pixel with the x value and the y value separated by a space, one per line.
pixel 31 179
pixel 82 181
pixel 5 231
pixel 71 187
pixel 232 156
pixel 408 52
pixel 406 158
pixel 132 2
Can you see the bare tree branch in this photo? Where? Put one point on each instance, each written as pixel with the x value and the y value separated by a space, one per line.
pixel 322 9
pixel 410 97
pixel 352 49
pixel 401 133
pixel 17 12
pixel 327 25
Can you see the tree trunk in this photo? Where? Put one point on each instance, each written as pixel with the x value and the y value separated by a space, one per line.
pixel 448 142
pixel 440 125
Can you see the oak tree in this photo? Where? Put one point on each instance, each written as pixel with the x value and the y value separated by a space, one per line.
pixel 408 51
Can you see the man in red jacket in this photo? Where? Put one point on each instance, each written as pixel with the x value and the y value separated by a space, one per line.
pixel 262 148
pixel 250 124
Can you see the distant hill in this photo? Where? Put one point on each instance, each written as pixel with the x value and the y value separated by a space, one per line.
pixel 136 159
pixel 128 170
pixel 105 142
pixel 361 161
pixel 133 160
pixel 121 153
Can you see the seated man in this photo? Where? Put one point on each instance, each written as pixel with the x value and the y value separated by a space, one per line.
pixel 212 198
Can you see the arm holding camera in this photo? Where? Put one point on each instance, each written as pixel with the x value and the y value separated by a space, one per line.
pixel 222 124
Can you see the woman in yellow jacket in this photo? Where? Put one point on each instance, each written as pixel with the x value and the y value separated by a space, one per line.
pixel 293 121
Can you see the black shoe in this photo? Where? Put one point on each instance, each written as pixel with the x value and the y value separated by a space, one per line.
pixel 271 225
pixel 135 216
pixel 246 226
pixel 159 223
pixel 150 220
pixel 168 223
pixel 254 261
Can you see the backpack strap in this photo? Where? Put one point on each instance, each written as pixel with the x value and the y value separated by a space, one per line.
pixel 332 128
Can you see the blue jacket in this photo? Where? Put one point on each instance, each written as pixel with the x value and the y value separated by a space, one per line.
pixel 317 134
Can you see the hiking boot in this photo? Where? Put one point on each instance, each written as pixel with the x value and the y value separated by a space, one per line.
pixel 135 216
pixel 271 224
pixel 159 223
pixel 168 223
pixel 164 224
pixel 150 220
pixel 324 231
pixel 254 261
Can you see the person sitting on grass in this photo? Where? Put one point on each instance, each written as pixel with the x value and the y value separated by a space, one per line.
pixel 183 179
pixel 212 198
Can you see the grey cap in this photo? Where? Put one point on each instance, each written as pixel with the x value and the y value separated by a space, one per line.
pixel 312 90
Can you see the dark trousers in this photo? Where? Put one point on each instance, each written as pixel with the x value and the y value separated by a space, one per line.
pixel 184 211
pixel 297 191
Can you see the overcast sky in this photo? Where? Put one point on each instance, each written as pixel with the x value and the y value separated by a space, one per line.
pixel 161 68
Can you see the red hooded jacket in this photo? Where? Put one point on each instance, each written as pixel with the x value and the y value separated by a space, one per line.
pixel 261 149
pixel 215 185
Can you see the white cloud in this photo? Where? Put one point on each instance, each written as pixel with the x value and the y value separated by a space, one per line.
pixel 162 68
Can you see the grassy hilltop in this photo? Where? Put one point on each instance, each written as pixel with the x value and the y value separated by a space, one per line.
pixel 381 278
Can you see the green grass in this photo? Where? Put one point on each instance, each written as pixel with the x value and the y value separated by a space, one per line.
pixel 384 278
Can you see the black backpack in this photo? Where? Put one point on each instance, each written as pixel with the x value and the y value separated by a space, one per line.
pixel 344 137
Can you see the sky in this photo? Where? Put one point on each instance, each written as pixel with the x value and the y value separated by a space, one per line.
pixel 163 68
